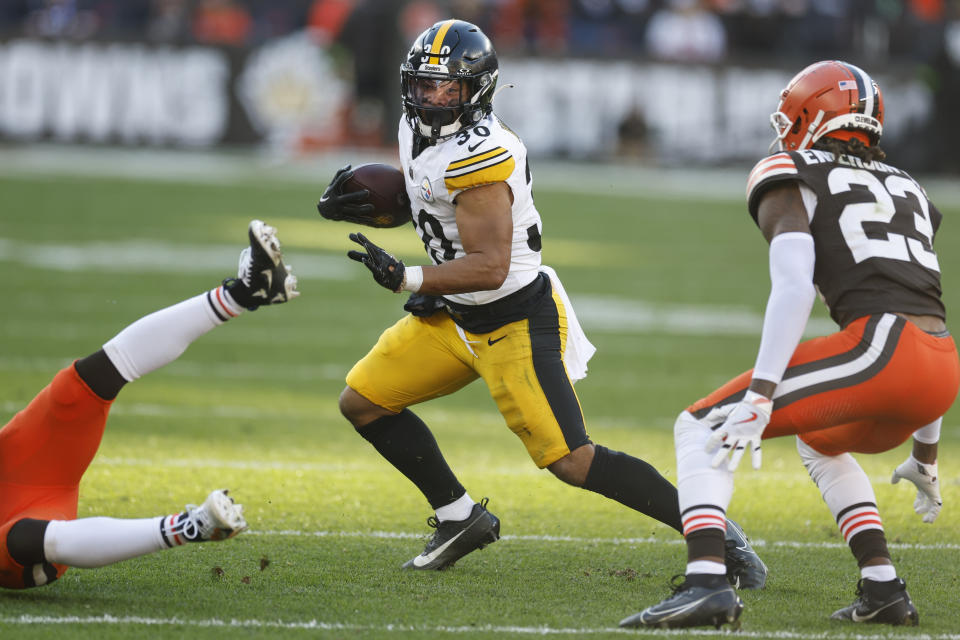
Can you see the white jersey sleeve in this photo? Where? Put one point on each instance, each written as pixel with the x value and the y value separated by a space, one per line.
pixel 486 153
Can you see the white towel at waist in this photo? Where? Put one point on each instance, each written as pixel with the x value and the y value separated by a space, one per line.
pixel 579 350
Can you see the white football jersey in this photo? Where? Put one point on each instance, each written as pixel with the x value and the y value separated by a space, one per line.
pixel 483 154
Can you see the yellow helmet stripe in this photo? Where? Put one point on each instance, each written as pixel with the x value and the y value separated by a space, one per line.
pixel 437 43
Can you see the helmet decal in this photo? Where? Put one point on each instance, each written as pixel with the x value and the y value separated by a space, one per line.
pixel 866 97
pixel 436 48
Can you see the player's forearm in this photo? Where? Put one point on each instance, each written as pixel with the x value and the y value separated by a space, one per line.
pixel 791 298
pixel 472 272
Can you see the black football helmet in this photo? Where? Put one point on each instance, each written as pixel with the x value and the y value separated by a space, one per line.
pixel 453 58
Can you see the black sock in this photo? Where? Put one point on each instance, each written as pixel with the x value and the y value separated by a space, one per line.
pixel 707 542
pixel 406 442
pixel 708 580
pixel 241 294
pixel 100 375
pixel 868 545
pixel 25 541
pixel 634 483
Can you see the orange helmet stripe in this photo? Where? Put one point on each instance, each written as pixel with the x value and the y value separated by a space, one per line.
pixel 437 43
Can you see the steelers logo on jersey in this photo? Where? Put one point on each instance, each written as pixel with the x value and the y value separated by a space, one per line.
pixel 426 191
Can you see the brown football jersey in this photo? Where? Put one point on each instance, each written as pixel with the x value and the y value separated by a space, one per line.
pixel 873 229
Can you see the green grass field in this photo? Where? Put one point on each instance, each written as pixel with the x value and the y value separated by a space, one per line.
pixel 252 407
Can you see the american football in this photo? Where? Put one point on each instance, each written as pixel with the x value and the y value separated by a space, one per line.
pixel 388 193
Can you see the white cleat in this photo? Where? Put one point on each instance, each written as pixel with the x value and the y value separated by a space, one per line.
pixel 218 518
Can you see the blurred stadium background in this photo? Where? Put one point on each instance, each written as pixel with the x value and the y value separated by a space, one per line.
pixel 650 82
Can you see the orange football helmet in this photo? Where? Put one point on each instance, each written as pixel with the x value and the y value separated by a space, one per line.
pixel 825 97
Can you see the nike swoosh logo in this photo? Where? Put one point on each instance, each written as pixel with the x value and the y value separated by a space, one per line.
pixel 493 342
pixel 858 618
pixel 753 416
pixel 422 560
pixel 474 147
pixel 680 610
pixel 262 293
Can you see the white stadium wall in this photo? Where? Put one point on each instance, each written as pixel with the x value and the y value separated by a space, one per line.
pixel 136 94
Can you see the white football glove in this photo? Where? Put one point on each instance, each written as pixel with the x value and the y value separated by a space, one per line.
pixel 742 429
pixel 927 481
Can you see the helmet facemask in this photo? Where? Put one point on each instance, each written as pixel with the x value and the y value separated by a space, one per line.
pixel 781 125
pixel 438 105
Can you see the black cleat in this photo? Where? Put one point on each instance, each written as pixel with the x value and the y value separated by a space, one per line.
pixel 881 602
pixel 745 569
pixel 262 277
pixel 456 538
pixel 700 600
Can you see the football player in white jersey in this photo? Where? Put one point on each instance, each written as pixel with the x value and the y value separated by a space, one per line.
pixel 484 308
pixel 860 231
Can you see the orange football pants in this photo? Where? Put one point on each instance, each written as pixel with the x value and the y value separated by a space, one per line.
pixel 44 451
pixel 864 389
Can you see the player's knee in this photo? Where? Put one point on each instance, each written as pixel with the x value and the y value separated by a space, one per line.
pixel 25 541
pixel 687 428
pixel 358 410
pixel 574 467
pixel 819 465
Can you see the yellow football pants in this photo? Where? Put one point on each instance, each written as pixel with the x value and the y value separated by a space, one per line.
pixel 418 359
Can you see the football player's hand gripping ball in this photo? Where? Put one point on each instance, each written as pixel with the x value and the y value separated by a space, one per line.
pixel 927 481
pixel 336 205
pixel 386 270
pixel 742 429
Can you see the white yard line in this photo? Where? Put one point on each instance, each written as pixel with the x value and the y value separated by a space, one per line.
pixel 597 313
pixel 402 535
pixel 494 630
pixel 212 167
pixel 141 256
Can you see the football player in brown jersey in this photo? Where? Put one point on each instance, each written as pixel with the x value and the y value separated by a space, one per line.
pixel 46 448
pixel 841 221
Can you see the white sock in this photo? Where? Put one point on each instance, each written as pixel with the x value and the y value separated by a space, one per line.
pixel 929 434
pixel 459 509
pixel 160 338
pixel 845 488
pixel 879 572
pixel 88 543
pixel 706 566
pixel 704 492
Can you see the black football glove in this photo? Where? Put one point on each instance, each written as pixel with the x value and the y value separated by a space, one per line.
pixel 386 270
pixel 336 205
pixel 423 305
